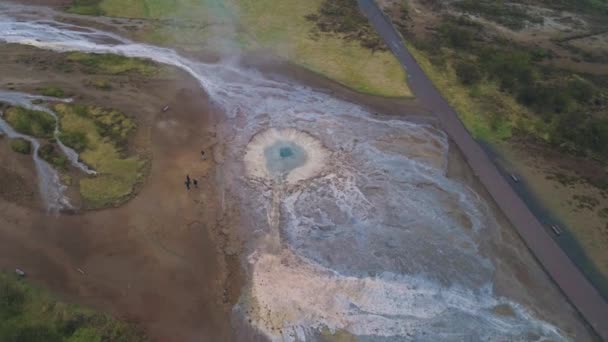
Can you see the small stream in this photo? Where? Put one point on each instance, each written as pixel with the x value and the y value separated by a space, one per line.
pixel 52 191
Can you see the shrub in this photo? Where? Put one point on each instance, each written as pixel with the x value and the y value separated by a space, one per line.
pixel 468 73
pixel 31 122
pixel 21 146
pixel 53 91
pixel 457 37
pixel 11 300
pixel 50 154
pixel 75 140
pixel 344 18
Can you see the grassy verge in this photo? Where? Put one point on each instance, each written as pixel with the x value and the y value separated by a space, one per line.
pixel 30 122
pixel 21 146
pixel 283 27
pixel 488 114
pixel 113 64
pixel 101 136
pixel 29 314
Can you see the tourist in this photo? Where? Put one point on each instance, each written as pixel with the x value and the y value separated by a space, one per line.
pixel 195 183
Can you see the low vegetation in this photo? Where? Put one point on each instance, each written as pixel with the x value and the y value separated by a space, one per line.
pixel 29 314
pixel 86 7
pixel 101 135
pixel 52 155
pixel 31 122
pixel 321 35
pixel 113 64
pixel 21 146
pixel 102 84
pixel 343 18
pixel 510 15
pixel 53 91
pixel 500 88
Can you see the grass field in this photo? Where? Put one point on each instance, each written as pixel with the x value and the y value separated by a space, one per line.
pixel 100 136
pixel 29 314
pixel 113 64
pixel 282 26
pixel 277 25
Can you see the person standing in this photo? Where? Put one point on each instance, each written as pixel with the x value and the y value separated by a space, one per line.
pixel 195 182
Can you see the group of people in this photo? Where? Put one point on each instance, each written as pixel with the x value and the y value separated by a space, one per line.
pixel 193 181
pixel 190 181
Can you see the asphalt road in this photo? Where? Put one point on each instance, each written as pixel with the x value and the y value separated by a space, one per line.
pixel 568 277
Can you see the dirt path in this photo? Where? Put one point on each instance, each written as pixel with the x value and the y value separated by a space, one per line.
pixel 158 260
pixel 572 282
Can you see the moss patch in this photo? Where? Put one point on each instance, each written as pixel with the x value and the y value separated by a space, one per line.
pixel 51 154
pixel 21 146
pixel 101 137
pixel 30 122
pixel 28 313
pixel 53 91
pixel 102 84
pixel 113 64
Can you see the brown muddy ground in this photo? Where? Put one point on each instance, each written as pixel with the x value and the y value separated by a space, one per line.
pixel 160 259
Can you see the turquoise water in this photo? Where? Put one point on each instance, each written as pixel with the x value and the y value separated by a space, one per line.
pixel 284 156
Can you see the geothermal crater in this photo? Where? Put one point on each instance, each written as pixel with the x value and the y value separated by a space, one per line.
pixel 284 154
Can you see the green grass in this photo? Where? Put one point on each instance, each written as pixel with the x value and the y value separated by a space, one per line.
pixel 282 26
pixel 101 84
pixel 30 314
pixel 113 64
pixel 85 7
pixel 101 137
pixel 51 154
pixel 53 91
pixel 21 146
pixel 31 122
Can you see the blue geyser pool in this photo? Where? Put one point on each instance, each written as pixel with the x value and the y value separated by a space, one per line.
pixel 284 156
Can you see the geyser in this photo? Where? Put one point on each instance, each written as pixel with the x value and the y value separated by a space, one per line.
pixel 285 154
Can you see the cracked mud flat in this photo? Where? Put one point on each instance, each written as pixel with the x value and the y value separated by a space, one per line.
pixel 378 242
